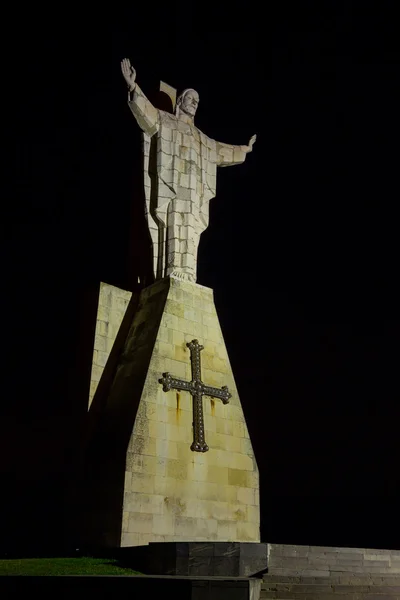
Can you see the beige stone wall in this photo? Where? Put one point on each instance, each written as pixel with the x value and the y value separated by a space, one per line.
pixel 112 306
pixel 172 493
pixel 328 561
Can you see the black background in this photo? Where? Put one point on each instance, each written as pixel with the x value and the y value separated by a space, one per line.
pixel 301 251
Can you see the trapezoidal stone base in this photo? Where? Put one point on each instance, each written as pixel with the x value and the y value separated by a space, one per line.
pixel 144 483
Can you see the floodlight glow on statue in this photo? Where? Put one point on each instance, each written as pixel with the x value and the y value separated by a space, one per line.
pixel 180 176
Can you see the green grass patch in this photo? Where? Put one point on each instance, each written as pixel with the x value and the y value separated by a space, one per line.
pixel 63 566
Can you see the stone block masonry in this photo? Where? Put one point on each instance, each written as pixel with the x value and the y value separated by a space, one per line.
pixel 326 573
pixel 323 561
pixel 112 306
pixel 156 488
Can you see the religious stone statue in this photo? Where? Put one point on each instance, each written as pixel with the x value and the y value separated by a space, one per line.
pixel 180 168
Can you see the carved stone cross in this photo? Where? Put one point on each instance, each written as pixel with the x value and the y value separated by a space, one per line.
pixel 198 389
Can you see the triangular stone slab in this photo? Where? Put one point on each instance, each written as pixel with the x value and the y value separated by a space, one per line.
pixel 111 310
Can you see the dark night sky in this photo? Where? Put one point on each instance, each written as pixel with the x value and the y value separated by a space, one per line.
pixel 301 251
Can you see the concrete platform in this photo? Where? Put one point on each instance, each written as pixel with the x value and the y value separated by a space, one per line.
pixel 134 587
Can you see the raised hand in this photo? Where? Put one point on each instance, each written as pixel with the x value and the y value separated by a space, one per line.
pixel 249 148
pixel 128 73
pixel 251 142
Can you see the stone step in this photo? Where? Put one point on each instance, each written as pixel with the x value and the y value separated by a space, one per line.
pixel 355 594
pixel 313 588
pixel 334 570
pixel 323 560
pixel 298 551
pixel 340 578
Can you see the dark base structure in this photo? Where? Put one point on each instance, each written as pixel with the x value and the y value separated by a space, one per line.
pixel 218 559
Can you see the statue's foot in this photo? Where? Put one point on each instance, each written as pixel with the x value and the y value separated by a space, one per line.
pixel 183 276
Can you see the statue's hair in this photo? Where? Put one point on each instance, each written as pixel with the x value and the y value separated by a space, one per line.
pixel 183 94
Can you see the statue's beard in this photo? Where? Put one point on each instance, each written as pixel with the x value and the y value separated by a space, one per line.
pixel 186 112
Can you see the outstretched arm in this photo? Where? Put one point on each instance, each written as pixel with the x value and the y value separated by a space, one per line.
pixel 144 112
pixel 228 155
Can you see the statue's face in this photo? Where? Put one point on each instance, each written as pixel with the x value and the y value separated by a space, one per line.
pixel 190 103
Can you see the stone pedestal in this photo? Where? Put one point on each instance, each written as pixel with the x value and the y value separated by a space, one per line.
pixel 144 483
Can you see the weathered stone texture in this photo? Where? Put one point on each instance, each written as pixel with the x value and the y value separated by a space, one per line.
pixel 168 492
pixel 112 306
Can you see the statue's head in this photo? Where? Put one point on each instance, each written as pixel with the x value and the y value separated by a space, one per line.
pixel 188 102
